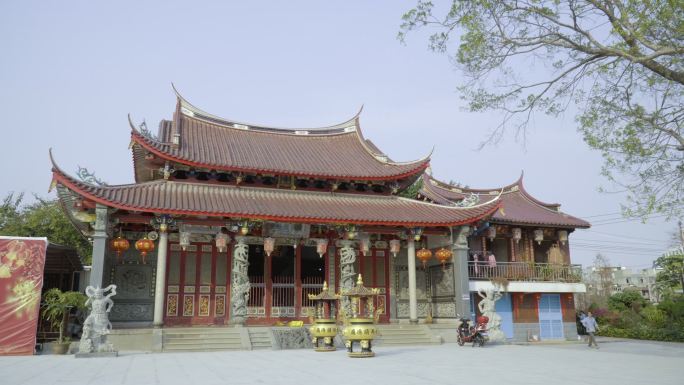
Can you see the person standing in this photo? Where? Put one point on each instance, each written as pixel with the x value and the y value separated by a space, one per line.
pixel 591 326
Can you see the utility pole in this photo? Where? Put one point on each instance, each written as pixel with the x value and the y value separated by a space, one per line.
pixel 681 238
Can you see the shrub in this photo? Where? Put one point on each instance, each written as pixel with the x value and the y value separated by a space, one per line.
pixel 643 333
pixel 654 317
pixel 627 300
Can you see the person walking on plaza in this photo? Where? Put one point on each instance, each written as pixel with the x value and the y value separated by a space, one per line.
pixel 590 325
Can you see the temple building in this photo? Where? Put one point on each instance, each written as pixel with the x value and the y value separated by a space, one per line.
pixel 233 223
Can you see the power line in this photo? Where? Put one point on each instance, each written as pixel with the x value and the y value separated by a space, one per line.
pixel 610 222
pixel 623 236
pixel 576 239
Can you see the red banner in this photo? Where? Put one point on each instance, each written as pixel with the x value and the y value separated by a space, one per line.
pixel 21 280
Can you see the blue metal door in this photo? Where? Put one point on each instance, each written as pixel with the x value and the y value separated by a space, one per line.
pixel 504 309
pixel 550 317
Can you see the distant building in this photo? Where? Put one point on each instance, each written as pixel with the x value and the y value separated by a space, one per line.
pixel 622 278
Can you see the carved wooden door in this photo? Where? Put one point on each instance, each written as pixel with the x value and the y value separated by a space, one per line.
pixel 375 269
pixel 197 283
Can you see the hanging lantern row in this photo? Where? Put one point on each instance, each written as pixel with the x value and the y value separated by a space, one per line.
pixel 424 255
pixel 184 239
pixel 517 234
pixel 417 232
pixel 491 232
pixel 395 246
pixel 269 245
pixel 321 246
pixel 539 236
pixel 144 246
pixel 120 245
pixel 221 240
pixel 364 244
pixel 443 256
pixel 563 236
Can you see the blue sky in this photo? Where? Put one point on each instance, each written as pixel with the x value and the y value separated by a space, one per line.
pixel 71 71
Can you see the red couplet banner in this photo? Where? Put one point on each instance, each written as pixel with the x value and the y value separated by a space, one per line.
pixel 21 279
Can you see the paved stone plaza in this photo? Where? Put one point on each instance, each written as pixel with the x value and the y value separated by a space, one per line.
pixel 616 362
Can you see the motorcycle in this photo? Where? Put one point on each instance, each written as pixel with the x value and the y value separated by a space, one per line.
pixel 475 334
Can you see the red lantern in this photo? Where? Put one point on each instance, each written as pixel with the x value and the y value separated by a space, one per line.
pixel 443 255
pixel 120 245
pixel 424 255
pixel 144 246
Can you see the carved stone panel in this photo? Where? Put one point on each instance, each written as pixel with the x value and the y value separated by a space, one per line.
pixel 445 310
pixel 131 312
pixel 442 281
pixel 133 281
pixel 421 286
pixel 403 309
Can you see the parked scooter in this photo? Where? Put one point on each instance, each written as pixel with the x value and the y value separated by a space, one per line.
pixel 475 334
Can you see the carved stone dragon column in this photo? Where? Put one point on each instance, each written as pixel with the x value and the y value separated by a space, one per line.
pixel 347 274
pixel 239 287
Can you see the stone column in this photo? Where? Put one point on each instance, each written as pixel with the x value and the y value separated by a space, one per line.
pixel 99 246
pixel 413 299
pixel 160 283
pixel 459 248
pixel 239 282
pixel 347 274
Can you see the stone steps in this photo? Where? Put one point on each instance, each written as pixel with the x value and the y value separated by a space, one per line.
pixel 202 339
pixel 404 334
pixel 448 331
pixel 230 338
pixel 260 338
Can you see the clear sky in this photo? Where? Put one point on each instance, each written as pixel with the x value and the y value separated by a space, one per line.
pixel 70 72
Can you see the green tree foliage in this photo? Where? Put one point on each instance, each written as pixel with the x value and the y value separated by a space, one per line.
pixel 671 274
pixel 633 317
pixel 618 63
pixel 627 300
pixel 412 190
pixel 43 218
pixel 57 305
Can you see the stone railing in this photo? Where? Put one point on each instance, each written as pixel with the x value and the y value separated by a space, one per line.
pixel 526 271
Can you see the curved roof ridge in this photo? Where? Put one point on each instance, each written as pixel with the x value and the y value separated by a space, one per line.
pixel 57 169
pixel 383 158
pixel 191 111
pixel 506 190
pixel 456 208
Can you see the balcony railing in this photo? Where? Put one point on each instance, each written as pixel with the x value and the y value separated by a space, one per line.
pixel 526 271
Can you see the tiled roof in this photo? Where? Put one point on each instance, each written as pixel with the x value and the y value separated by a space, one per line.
pixel 172 197
pixel 517 205
pixel 338 151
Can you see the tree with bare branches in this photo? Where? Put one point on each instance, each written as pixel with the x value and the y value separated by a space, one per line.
pixel 617 64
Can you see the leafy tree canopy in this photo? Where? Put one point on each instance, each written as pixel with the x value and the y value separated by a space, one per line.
pixel 618 63
pixel 627 300
pixel 671 275
pixel 43 218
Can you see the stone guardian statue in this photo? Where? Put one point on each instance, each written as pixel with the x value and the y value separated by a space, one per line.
pixel 487 308
pixel 96 326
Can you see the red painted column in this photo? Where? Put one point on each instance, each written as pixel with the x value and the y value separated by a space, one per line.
pixel 298 281
pixel 511 250
pixel 268 286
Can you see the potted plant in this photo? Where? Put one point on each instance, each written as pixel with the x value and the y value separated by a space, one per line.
pixel 56 308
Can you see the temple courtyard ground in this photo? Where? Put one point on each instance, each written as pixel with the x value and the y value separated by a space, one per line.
pixel 620 362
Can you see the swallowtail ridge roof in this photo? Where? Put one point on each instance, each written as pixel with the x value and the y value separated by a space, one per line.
pixel 173 197
pixel 517 205
pixel 339 151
